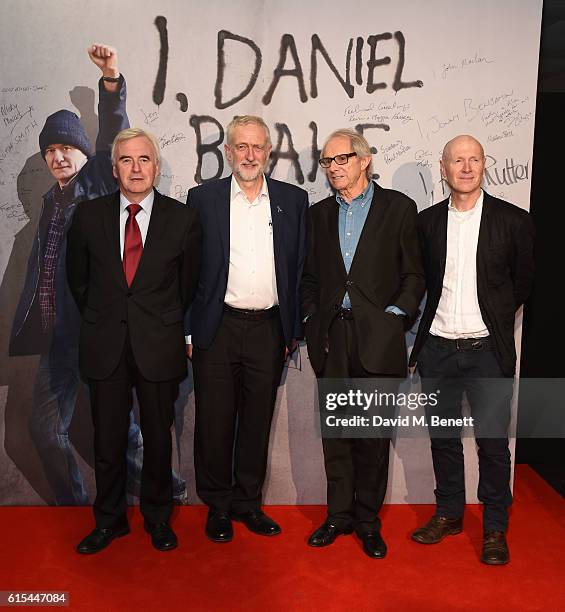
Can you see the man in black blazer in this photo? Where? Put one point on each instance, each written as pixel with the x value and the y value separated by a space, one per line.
pixel 478 256
pixel 244 320
pixel 363 281
pixel 132 262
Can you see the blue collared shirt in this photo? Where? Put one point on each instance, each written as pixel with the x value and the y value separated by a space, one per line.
pixel 352 219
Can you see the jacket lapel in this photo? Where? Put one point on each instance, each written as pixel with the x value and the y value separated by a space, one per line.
pixel 484 237
pixel 441 237
pixel 222 204
pixel 112 229
pixel 277 219
pixel 334 249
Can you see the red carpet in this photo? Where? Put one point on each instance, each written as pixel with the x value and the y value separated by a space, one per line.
pixel 282 573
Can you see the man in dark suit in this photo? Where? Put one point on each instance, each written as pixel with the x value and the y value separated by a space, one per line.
pixel 244 321
pixel 132 262
pixel 363 281
pixel 478 257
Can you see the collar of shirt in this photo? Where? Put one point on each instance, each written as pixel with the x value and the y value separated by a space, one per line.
pixel 146 204
pixel 361 200
pixel 237 192
pixel 67 194
pixel 466 214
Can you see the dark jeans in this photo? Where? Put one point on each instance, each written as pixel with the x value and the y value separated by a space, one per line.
pixel 441 365
pixel 235 383
pixel 356 468
pixel 55 393
pixel 54 397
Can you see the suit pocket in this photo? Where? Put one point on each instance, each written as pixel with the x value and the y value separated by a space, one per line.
pixel 90 315
pixel 172 317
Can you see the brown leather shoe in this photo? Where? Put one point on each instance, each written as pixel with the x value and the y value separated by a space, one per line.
pixel 437 528
pixel 495 549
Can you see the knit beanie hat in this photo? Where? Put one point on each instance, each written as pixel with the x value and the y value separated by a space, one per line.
pixel 64 127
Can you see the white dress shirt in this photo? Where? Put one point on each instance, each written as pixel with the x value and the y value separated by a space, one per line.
pixel 458 314
pixel 252 283
pixel 142 218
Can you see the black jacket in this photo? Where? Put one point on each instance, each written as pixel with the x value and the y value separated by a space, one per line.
pixel 386 270
pixel 152 309
pixel 505 270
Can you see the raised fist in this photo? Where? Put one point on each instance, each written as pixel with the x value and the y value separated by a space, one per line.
pixel 106 58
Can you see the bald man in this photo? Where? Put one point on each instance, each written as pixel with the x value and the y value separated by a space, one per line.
pixel 478 257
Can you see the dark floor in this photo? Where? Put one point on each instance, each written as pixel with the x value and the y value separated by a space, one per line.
pixel 554 475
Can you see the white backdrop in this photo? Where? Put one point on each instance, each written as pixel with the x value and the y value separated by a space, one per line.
pixel 410 74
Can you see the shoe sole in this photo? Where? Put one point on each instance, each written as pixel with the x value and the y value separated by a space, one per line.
pixel 261 533
pixel 120 534
pixel 219 540
pixel 449 533
pixel 347 532
pixel 165 549
pixel 375 556
pixel 157 547
pixel 495 562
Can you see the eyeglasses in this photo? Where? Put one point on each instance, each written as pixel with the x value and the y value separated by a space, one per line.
pixel 340 159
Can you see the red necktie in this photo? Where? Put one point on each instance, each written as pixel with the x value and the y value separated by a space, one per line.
pixel 133 246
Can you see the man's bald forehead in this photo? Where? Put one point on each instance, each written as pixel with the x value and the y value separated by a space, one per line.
pixel 463 138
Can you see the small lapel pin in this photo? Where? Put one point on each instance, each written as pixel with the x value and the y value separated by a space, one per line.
pixel 279 209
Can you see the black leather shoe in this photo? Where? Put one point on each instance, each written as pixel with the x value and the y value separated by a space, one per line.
pixel 162 536
pixel 495 548
pixel 373 545
pixel 326 535
pixel 98 539
pixel 437 528
pixel 218 526
pixel 257 522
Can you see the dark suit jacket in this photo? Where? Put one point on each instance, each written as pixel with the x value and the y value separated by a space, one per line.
pixel 152 309
pixel 386 270
pixel 505 270
pixel 288 214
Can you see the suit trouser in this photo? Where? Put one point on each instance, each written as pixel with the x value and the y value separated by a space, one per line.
pixel 453 371
pixel 54 398
pixel 235 384
pixel 356 468
pixel 111 403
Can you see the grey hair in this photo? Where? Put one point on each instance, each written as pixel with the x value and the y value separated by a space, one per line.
pixel 359 145
pixel 129 133
pixel 241 120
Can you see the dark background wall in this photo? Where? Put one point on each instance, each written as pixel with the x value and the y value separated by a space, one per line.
pixel 544 331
